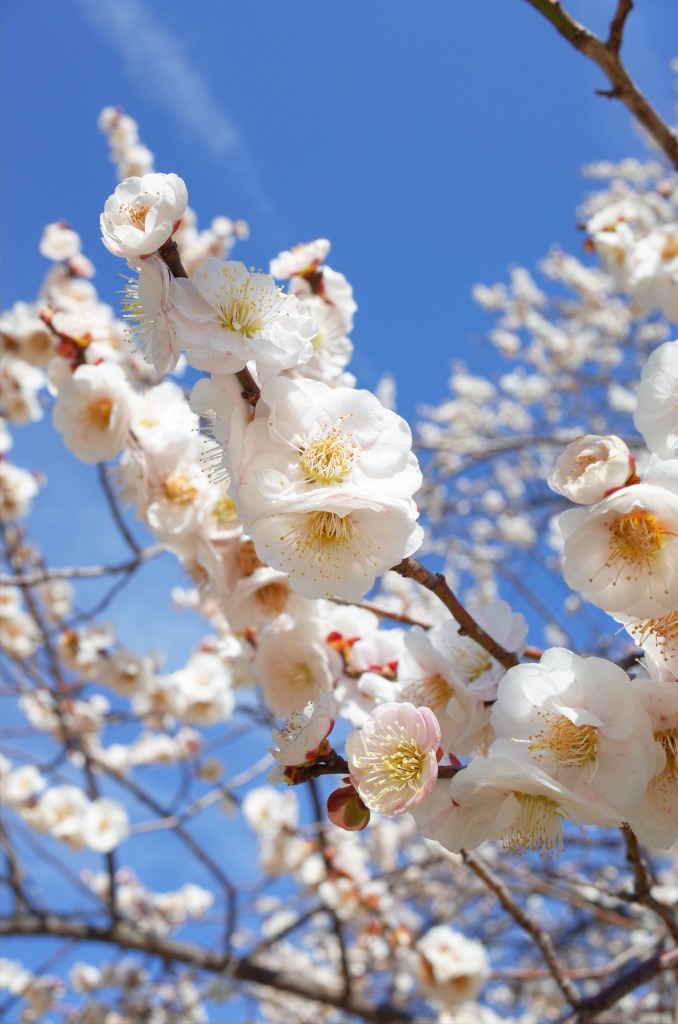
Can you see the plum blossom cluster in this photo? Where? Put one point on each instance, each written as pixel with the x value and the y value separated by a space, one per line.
pixel 286 494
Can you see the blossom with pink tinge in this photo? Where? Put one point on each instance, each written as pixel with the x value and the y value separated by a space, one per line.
pixel 393 758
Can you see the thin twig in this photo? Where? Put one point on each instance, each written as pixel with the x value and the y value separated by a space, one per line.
pixel 643 883
pixel 606 56
pixel 437 584
pixel 85 572
pixel 540 938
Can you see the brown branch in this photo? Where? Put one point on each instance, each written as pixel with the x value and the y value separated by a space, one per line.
pixel 169 254
pixel 125 936
pixel 606 56
pixel 643 883
pixel 614 40
pixel 437 584
pixel 539 937
pixel 629 981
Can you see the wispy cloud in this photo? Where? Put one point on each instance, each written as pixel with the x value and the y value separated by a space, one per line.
pixel 156 61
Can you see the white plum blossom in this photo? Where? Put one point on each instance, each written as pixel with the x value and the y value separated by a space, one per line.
pixel 337 545
pixel 427 675
pixel 452 968
pixel 658 638
pixel 294 665
pixel 17 490
pixel 228 316
pixel 149 315
pixel 654 271
pixel 623 553
pixel 333 288
pixel 332 349
pixel 142 214
pixel 60 811
pixel 656 415
pixel 580 721
pixel 105 824
pixel 316 439
pixel 654 818
pixel 203 691
pixel 393 757
pixel 301 259
pixel 93 411
pixel 505 796
pixel 591 467
pixel 60 242
pixel 302 740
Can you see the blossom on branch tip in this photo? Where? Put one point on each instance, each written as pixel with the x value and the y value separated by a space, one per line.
pixel 142 213
pixel 590 468
pixel 229 315
pixel 393 758
pixel 304 739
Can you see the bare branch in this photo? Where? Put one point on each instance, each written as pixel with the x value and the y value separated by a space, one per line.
pixel 614 40
pixel 85 572
pixel 539 937
pixel 125 936
pixel 606 56
pixel 436 583
pixel 643 882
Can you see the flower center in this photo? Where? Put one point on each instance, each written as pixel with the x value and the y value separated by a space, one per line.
pixel 434 692
pixel 670 250
pixel 581 464
pixel 538 826
pixel 178 489
pixel 636 538
pixel 247 559
pixel 299 676
pixel 396 764
pixel 664 630
pixel 327 530
pixel 669 742
pixel 246 314
pixel 137 215
pixel 472 662
pixel 225 511
pixel 273 598
pixel 99 413
pixel 567 743
pixel 329 457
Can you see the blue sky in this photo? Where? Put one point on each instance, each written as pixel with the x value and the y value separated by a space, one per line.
pixel 432 143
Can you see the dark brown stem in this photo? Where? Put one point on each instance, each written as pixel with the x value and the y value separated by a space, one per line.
pixel 643 882
pixel 250 388
pixel 614 40
pixel 169 254
pixel 437 584
pixel 606 56
pixel 629 981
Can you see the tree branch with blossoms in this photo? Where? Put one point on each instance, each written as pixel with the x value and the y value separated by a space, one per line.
pixel 294 504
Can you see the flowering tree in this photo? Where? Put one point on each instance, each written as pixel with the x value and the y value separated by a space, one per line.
pixel 295 503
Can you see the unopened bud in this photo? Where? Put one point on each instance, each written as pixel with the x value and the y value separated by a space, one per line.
pixel 346 810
